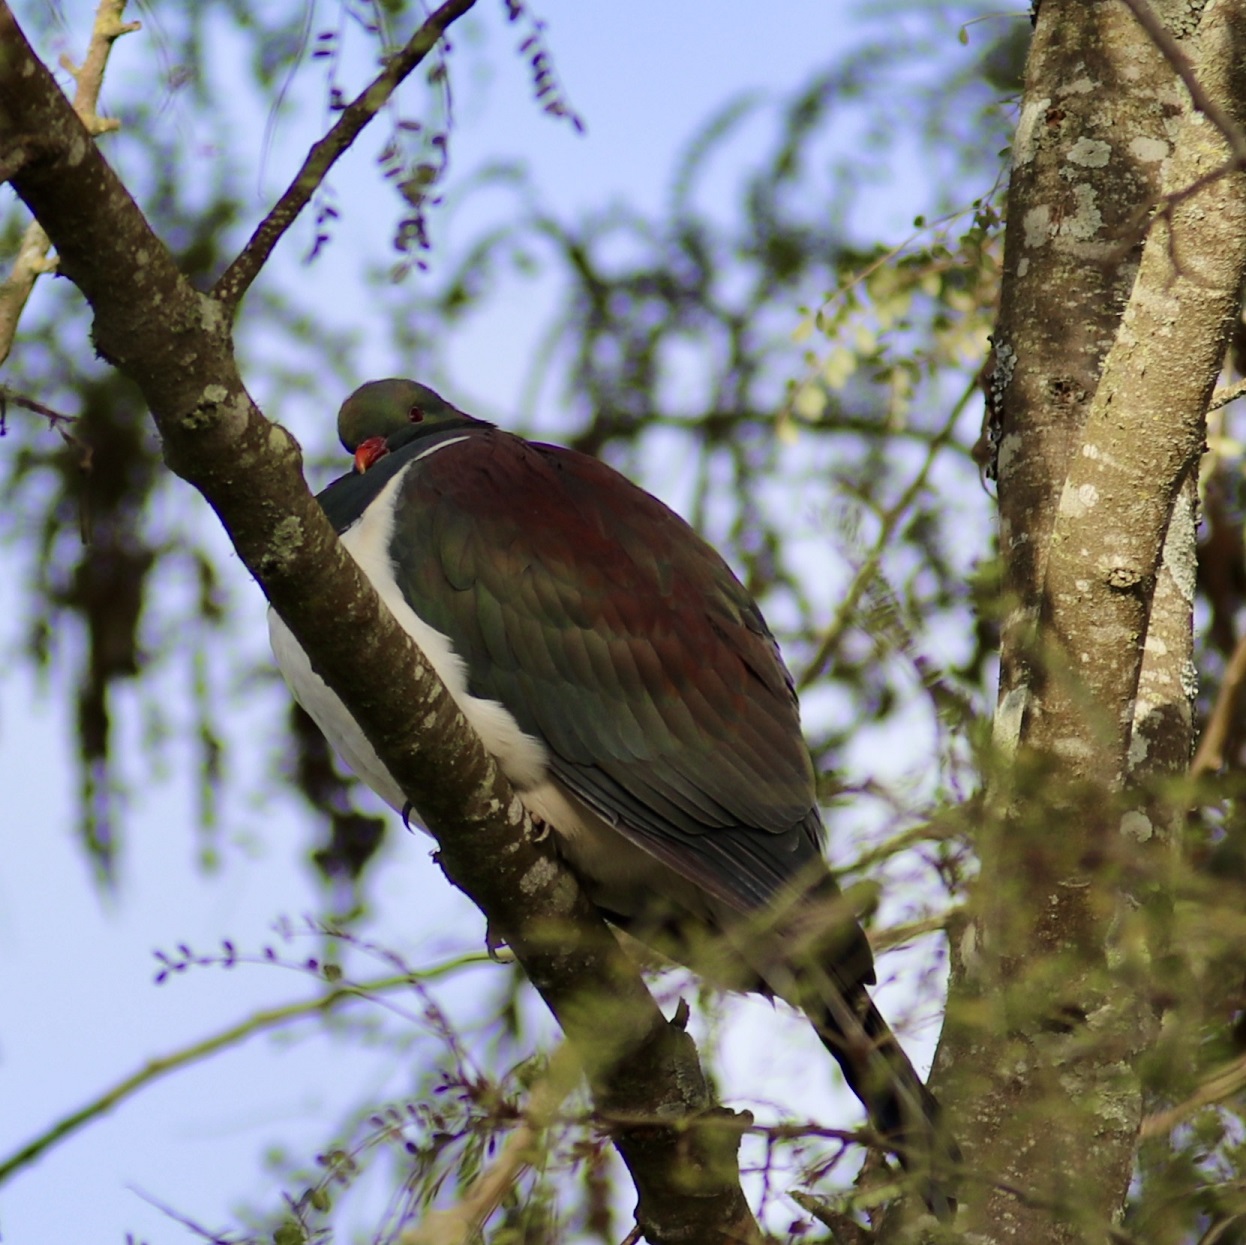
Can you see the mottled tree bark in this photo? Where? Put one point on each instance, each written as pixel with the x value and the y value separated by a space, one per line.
pixel 1109 341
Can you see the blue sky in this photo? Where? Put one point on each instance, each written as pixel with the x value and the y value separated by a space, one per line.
pixel 76 970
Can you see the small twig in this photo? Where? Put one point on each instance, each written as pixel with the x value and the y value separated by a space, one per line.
pixel 1224 1083
pixel 154 1069
pixel 1210 755
pixel 32 255
pixel 845 614
pixel 326 152
pixel 1173 53
pixel 9 397
pixel 897 935
pixel 937 830
pixel 844 1229
pixel 1223 397
pixel 205 1235
pixel 463 1222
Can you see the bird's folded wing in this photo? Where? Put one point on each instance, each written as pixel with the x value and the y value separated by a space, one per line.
pixel 619 638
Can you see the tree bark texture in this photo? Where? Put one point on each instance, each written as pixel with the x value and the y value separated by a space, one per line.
pixel 175 342
pixel 1121 283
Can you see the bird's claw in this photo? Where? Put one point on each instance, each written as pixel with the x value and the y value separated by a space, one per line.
pixel 496 948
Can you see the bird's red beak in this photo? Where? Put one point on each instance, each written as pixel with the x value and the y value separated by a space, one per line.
pixel 369 452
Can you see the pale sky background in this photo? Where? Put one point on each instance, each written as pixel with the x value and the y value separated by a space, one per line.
pixel 80 1009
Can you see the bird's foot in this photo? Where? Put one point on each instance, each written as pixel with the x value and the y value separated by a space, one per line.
pixel 497 949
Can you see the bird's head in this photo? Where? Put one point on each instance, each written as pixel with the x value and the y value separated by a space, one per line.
pixel 384 415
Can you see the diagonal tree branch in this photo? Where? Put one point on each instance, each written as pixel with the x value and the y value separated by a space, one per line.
pixel 161 1065
pixel 324 154
pixel 175 343
pixel 32 255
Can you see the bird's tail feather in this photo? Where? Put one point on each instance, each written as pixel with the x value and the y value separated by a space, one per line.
pixel 900 1106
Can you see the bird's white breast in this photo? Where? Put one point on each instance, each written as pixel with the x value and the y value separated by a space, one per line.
pixel 522 758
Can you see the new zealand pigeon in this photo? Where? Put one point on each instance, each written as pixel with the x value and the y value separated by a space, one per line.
pixel 630 689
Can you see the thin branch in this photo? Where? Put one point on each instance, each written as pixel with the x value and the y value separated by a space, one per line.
pixel 1226 1082
pixel 326 152
pixel 891 518
pixel 162 1065
pixel 1223 397
pixel 463 1222
pixel 32 255
pixel 899 935
pixel 844 1229
pixel 12 397
pixel 1173 53
pixel 1210 755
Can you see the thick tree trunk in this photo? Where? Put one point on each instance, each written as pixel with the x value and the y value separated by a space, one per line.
pixel 1108 344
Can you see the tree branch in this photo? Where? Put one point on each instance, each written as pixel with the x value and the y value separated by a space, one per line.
pixel 1224 1083
pixel 161 1065
pixel 237 278
pixel 1210 755
pixel 1222 397
pixel 175 343
pixel 32 261
pixel 1104 359
pixel 1203 101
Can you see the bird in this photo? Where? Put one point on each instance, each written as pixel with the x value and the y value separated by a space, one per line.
pixel 626 683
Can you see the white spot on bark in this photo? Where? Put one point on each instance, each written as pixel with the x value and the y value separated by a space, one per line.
pixel 213 394
pixel 1090 153
pixel 1082 86
pixel 279 440
pixel 212 314
pixel 541 874
pixel 1037 224
pixel 1148 150
pixel 1179 548
pixel 1073 748
pixel 1079 500
pixel 1024 144
pixel 1137 825
pixel 1023 267
pixel 1008 717
pixel 1085 221
pixel 970 956
pixel 1156 646
pixel 1009 448
pixel 1189 679
pixel 1121 576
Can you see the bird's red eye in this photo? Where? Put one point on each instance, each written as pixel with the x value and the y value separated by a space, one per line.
pixel 416 415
